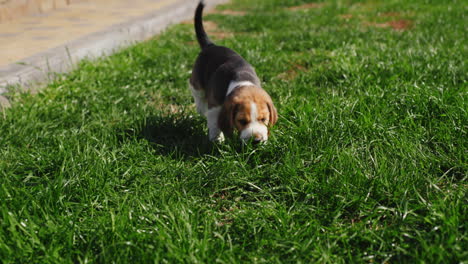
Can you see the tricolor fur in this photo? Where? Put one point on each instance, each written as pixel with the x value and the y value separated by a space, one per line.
pixel 227 91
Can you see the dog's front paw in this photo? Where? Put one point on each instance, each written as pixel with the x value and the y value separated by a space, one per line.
pixel 217 138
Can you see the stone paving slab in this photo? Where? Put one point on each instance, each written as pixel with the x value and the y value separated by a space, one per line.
pixel 13 9
pixel 33 46
pixel 63 25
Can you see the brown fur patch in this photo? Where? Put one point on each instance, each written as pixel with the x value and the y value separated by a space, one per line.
pixel 306 6
pixel 235 113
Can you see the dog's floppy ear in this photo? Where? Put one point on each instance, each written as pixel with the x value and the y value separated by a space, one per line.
pixel 226 117
pixel 273 113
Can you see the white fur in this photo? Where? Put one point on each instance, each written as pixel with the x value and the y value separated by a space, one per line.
pixel 200 100
pixel 254 127
pixel 234 84
pixel 214 133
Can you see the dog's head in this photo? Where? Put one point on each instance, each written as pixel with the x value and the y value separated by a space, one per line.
pixel 250 111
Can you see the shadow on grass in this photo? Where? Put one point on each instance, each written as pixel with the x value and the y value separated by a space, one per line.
pixel 177 135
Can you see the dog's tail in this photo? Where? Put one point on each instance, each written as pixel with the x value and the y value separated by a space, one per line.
pixel 202 37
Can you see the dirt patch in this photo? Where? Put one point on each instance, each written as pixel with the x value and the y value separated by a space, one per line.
pixel 4 103
pixel 212 30
pixel 169 109
pixel 398 25
pixel 346 16
pixel 390 14
pixel 229 12
pixel 292 73
pixel 306 6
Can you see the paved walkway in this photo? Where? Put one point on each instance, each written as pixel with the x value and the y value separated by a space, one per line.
pixel 51 41
pixel 24 37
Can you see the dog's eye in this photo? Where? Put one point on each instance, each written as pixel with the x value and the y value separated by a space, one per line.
pixel 263 120
pixel 243 122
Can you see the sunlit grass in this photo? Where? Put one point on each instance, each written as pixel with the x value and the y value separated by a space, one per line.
pixel 367 163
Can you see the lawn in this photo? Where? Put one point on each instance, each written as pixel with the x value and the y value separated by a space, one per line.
pixel 367 164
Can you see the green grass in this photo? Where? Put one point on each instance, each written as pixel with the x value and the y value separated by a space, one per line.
pixel 368 162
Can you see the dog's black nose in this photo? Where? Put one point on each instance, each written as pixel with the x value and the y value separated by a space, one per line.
pixel 255 141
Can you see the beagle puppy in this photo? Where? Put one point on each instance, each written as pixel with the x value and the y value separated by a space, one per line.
pixel 227 91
